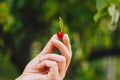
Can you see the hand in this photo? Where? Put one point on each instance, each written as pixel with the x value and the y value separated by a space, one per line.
pixel 49 66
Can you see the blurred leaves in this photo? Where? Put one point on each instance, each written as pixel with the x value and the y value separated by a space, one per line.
pixel 51 8
pixel 27 25
pixel 103 7
pixel 99 14
pixel 8 70
pixel 101 4
pixel 4 10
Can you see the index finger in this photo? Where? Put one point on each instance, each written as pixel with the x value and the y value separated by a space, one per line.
pixel 49 48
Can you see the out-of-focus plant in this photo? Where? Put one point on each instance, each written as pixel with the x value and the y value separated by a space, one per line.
pixel 110 8
pixel 27 25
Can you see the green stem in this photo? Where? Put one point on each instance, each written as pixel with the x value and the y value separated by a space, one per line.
pixel 61 23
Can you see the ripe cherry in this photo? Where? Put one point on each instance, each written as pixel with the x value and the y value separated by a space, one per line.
pixel 60 34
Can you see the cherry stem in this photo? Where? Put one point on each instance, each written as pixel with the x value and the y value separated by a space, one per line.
pixel 61 23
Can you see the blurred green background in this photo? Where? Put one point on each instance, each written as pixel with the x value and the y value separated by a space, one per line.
pixel 92 25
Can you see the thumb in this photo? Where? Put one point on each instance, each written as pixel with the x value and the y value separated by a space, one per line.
pixel 49 48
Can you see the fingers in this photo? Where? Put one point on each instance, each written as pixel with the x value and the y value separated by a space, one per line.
pixel 64 47
pixel 60 60
pixel 67 42
pixel 35 76
pixel 68 45
pixel 53 73
pixel 49 48
pixel 58 44
pixel 52 64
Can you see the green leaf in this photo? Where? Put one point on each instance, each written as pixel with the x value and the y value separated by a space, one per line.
pixel 101 4
pixel 115 2
pixel 98 15
pixel 112 1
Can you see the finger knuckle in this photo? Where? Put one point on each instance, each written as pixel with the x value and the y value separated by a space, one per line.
pixel 54 64
pixel 63 58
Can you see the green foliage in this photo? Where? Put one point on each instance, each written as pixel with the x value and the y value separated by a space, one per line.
pixel 8 70
pixel 101 4
pixel 102 7
pixel 27 25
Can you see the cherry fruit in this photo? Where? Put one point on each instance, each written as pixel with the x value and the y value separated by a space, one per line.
pixel 60 34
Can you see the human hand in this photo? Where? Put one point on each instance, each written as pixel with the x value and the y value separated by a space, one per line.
pixel 49 66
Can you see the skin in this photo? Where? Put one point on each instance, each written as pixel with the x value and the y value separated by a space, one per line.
pixel 47 65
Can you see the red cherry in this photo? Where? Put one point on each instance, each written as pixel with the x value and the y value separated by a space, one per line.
pixel 60 34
